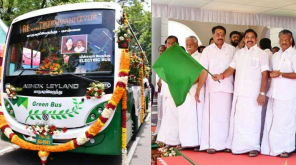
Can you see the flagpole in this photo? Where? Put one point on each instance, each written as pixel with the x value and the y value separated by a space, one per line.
pixel 211 74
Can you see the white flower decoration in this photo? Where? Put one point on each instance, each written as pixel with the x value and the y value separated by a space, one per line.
pixel 125 35
pixel 56 132
pixel 121 38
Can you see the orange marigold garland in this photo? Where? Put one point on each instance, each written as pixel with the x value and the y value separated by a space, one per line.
pixel 44 150
pixel 142 95
pixel 123 142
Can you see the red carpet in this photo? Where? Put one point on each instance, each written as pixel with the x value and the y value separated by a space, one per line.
pixel 153 129
pixel 221 158
pixel 176 160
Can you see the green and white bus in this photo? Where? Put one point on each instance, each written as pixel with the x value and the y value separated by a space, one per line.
pixel 81 38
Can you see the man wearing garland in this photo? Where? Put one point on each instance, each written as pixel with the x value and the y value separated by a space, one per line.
pixel 218 96
pixel 279 128
pixel 190 112
pixel 251 65
pixel 168 132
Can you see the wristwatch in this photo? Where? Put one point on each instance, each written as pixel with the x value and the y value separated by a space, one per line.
pixel 262 93
pixel 281 74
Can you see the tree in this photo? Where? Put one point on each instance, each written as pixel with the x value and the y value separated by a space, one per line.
pixel 139 19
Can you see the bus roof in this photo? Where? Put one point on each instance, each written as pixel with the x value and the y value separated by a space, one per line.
pixel 68 7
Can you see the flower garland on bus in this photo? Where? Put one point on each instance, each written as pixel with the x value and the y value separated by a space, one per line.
pixel 142 93
pixel 123 34
pixel 44 150
pixel 96 90
pixel 51 65
pixel 145 75
pixel 135 66
pixel 11 91
pixel 123 141
pixel 44 129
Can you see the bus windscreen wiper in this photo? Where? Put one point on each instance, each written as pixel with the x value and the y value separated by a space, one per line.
pixel 23 70
pixel 88 79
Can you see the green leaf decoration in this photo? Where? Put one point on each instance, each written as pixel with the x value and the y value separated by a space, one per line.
pixel 74 99
pixel 73 108
pixel 52 116
pixel 81 102
pixel 61 112
pixel 49 112
pixel 54 111
pixel 30 112
pixel 64 117
pixel 44 111
pixel 75 102
pixel 31 117
pixel 70 115
pixel 38 117
pixel 67 110
pixel 80 108
pixel 58 117
pixel 76 112
pixel 36 112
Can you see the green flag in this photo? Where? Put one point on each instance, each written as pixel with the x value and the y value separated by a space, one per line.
pixel 179 70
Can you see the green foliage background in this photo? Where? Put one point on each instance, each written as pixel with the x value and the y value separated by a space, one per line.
pixel 139 18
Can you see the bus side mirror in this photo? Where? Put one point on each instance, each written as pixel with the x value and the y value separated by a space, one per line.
pixel 120 20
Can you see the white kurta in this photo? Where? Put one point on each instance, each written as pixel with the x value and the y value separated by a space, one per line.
pixel 190 116
pixel 168 131
pixel 245 123
pixel 279 128
pixel 218 97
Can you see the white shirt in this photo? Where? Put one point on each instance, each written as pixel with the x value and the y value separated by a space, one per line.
pixel 237 48
pixel 249 64
pixel 145 80
pixel 79 49
pixel 217 61
pixel 269 52
pixel 196 55
pixel 283 88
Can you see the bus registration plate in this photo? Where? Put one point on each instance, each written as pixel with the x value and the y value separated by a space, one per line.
pixel 44 139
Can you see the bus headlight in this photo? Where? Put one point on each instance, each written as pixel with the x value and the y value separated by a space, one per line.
pixel 95 112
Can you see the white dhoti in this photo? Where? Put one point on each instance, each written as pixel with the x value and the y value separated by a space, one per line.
pixel 190 116
pixel 159 113
pixel 245 125
pixel 168 132
pixel 215 122
pixel 264 107
pixel 279 128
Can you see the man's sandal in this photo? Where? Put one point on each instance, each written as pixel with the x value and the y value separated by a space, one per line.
pixel 227 150
pixel 211 151
pixel 253 153
pixel 196 149
pixel 179 148
pixel 286 154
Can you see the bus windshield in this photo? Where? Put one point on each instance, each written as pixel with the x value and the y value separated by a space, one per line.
pixel 70 42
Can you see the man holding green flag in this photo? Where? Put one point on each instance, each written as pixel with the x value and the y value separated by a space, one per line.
pixel 179 71
pixel 168 131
